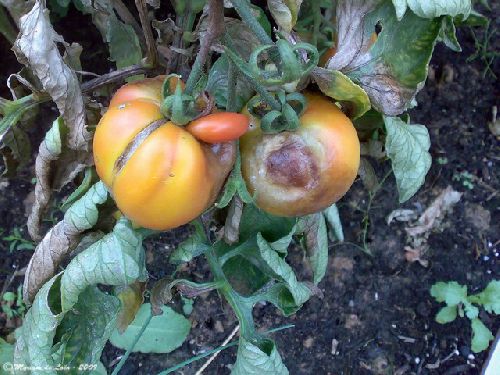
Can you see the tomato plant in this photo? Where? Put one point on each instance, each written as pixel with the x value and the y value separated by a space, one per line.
pixel 240 126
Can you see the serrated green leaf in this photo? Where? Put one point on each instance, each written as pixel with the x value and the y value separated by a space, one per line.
pixel 332 217
pixel 163 334
pixel 433 8
pixel 338 86
pixel 194 246
pixel 408 148
pixel 88 327
pixel 446 315
pixel 490 297
pixel 283 271
pixel 89 179
pixel 252 360
pixel 451 293
pixel 471 311
pixel 481 336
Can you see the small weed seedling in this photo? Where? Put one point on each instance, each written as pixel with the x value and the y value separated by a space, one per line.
pixel 13 304
pixel 17 242
pixel 459 303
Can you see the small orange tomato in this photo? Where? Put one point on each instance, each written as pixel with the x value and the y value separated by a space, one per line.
pixel 160 176
pixel 304 171
pixel 219 127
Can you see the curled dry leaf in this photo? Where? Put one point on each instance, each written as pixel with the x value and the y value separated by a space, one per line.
pixel 416 255
pixel 17 8
pixel 61 239
pixel 36 47
pixel 232 224
pixel 131 297
pixel 381 63
pixel 71 162
pixel 436 211
pixel 367 174
pixel 401 215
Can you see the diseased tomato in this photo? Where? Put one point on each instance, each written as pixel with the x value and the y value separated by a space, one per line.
pixel 160 176
pixel 219 127
pixel 305 171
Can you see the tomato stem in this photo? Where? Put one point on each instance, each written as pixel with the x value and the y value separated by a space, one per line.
pixel 245 12
pixel 317 21
pixel 232 75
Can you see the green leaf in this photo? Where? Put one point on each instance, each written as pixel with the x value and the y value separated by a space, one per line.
pixel 279 295
pixel 408 148
pixel 341 88
pixel 87 327
pixel 217 85
pixel 89 180
pixel 490 297
pixel 124 47
pixel 234 185
pixel 332 217
pixel 475 19
pixel 316 243
pixel 447 34
pixel 253 360
pixel 163 334
pixel 283 271
pixel 6 356
pixel 116 259
pixel 433 8
pixel 272 228
pixel 452 293
pixel 194 246
pixel 245 277
pixel 13 111
pixel 9 296
pixel 481 336
pixel 471 311
pixel 388 68
pixel 447 314
pixel 284 12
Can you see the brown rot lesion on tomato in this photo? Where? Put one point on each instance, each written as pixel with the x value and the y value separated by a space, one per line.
pixel 292 163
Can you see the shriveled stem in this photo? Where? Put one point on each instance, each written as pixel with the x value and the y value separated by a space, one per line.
pixel 151 52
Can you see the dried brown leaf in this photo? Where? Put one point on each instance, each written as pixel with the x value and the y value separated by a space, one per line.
pixel 131 297
pixel 416 255
pixel 436 211
pixel 232 224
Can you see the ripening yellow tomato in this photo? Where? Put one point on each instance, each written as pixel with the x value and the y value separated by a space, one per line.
pixel 305 171
pixel 159 174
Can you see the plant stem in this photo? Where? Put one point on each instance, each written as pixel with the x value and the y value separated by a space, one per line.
pixel 6 28
pixel 215 28
pixel 247 16
pixel 129 350
pixel 242 310
pixel 317 21
pixel 151 54
pixel 114 76
pixel 232 75
pixel 243 68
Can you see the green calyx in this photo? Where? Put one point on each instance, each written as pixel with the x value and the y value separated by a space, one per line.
pixel 274 121
pixel 293 63
pixel 177 106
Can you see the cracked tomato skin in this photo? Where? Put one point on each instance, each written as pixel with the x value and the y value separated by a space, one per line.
pixel 163 178
pixel 305 171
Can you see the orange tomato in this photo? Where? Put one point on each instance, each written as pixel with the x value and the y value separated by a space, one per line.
pixel 160 176
pixel 219 127
pixel 305 171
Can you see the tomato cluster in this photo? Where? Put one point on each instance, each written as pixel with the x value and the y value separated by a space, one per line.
pixel 162 175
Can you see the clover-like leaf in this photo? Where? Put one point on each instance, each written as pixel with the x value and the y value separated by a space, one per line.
pixel 452 292
pixel 481 336
pixel 490 297
pixel 408 148
pixel 447 314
